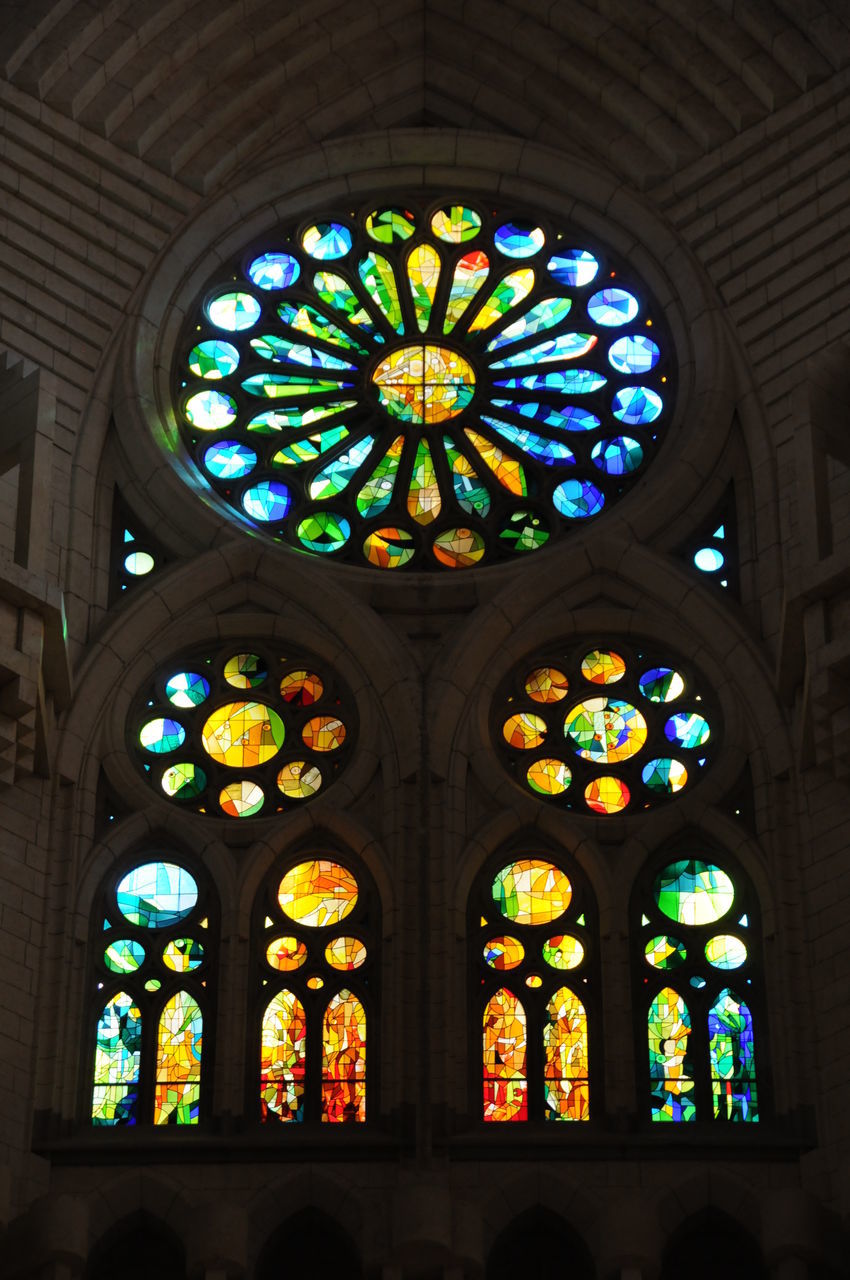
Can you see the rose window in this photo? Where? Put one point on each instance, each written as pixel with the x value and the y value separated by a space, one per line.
pixel 243 732
pixel 605 731
pixel 423 387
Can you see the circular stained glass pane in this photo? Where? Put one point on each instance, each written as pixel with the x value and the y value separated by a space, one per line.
pixel 549 777
pixel 688 730
pixel 213 359
pixel 184 781
pixel 605 730
pixel 187 689
pixel 317 893
pixel 242 734
pixel 234 312
pixel 326 240
pixel 156 895
pixel 138 563
pixel 546 684
pixel 286 954
pixel 183 955
pixel 532 891
pixel 662 684
pixel 664 952
pixel 519 239
pixel 274 270
pixel 438 386
pixel 601 666
pixel 124 955
pixel 504 953
pixel 573 267
pixel 725 951
pixel 245 671
pixel 162 735
pixel 708 559
pixel 563 952
pixel 301 688
pixel 694 892
pixel 345 953
pixel 298 780
pixel 524 730
pixel 241 799
pixel 607 795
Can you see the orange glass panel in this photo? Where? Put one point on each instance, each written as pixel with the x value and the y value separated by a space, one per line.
pixel 282 1057
pixel 344 1060
pixel 317 893
pixel 178 1061
pixel 565 1048
pixel 505 1073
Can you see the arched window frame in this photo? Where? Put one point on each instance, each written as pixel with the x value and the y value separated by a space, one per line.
pixel 201 983
pixel 363 922
pixel 484 981
pixel 747 981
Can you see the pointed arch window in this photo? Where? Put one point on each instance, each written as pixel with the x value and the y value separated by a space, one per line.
pixel 317 931
pixel 153 961
pixel 699 983
pixel 532 933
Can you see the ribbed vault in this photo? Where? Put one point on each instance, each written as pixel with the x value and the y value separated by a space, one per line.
pixel 200 89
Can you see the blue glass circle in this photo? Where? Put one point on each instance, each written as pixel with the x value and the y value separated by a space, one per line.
pixel 326 241
pixel 157 895
pixel 229 460
pixel 234 311
pixel 636 405
pixel 187 689
pixel 269 500
pixel 519 239
pixel 573 267
pixel 611 307
pixel 578 499
pixel 618 457
pixel 274 270
pixel 708 559
pixel 633 354
pixel 687 729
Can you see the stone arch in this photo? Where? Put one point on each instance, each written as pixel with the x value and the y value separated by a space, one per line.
pixel 134 1245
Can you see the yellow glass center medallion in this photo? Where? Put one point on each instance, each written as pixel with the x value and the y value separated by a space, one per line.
pixel 424 384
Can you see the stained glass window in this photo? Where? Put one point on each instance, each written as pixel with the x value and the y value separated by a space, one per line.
pixel 152 965
pixel 423 386
pixel 533 961
pixel 243 731
pixel 698 985
pixel 318 943
pixel 603 727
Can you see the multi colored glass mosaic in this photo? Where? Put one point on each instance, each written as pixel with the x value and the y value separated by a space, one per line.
pixel 150 965
pixel 528 928
pixel 423 387
pixel 315 974
pixel 605 728
pixel 698 934
pixel 242 732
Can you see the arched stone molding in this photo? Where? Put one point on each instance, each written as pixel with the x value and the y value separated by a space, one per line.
pixel 579 193
pixel 710 1188
pixel 546 1186
pixel 310 1187
pixel 127 1194
pixel 658 111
